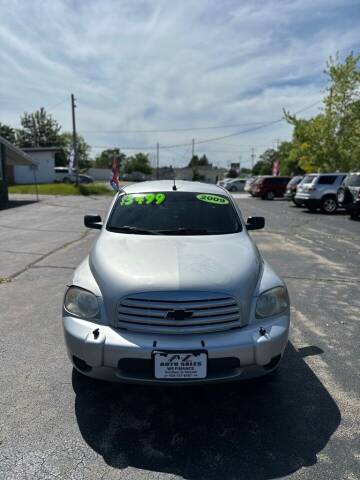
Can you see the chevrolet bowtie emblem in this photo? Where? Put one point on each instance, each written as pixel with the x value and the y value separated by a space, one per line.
pixel 178 315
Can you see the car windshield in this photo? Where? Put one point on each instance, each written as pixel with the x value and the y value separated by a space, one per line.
pixel 174 213
pixel 308 179
pixel 294 181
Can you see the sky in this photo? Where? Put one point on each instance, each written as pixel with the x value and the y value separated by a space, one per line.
pixel 169 71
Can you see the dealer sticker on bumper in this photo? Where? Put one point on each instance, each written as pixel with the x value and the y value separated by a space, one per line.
pixel 180 365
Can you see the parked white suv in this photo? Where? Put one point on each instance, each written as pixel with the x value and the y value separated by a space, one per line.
pixel 319 191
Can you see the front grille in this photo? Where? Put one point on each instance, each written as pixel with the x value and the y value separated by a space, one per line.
pixel 178 312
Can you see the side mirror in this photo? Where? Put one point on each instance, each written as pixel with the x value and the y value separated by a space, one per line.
pixel 255 223
pixel 93 221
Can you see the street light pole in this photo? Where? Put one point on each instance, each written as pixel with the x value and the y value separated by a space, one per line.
pixel 157 160
pixel 73 106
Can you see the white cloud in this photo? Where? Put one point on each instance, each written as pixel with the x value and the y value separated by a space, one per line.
pixel 163 64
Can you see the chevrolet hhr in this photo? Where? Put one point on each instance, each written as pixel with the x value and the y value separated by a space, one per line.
pixel 174 291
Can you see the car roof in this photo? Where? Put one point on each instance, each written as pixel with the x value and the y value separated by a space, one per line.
pixel 274 176
pixel 328 174
pixel 167 186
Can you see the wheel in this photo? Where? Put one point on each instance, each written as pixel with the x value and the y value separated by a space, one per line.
pixel 344 196
pixel 354 215
pixel 329 205
pixel 270 196
pixel 297 204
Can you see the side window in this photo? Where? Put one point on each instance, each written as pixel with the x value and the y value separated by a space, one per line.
pixel 326 179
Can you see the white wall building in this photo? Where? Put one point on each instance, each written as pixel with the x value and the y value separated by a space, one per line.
pixel 44 170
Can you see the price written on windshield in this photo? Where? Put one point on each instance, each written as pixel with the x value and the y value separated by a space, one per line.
pixel 143 199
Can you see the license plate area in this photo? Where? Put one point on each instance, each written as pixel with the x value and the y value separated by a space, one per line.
pixel 180 365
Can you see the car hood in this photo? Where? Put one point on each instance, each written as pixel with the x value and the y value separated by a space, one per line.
pixel 124 264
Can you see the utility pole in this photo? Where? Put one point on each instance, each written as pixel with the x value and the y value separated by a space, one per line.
pixel 157 160
pixel 252 158
pixel 73 106
pixel 193 147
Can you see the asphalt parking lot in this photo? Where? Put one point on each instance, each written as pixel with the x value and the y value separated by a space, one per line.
pixel 304 424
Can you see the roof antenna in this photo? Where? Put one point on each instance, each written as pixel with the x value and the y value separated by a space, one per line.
pixel 174 186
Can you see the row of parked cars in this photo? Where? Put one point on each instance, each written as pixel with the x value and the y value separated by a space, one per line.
pixel 328 192
pixel 324 191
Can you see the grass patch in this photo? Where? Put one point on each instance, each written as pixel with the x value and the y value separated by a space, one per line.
pixel 94 189
pixel 5 280
pixel 63 189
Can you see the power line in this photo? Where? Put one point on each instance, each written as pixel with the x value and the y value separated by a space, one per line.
pixel 273 122
pixel 57 104
pixel 189 129
pixel 168 130
pixel 214 139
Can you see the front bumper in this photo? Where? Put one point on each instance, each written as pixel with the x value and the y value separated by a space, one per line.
pixel 256 193
pixel 307 200
pixel 105 354
pixel 289 195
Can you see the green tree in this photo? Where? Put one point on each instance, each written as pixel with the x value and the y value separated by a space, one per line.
pixel 232 173
pixel 194 161
pixel 264 165
pixel 105 158
pixel 65 141
pixel 138 163
pixel 289 162
pixel 203 161
pixel 199 162
pixel 330 141
pixel 38 129
pixel 7 132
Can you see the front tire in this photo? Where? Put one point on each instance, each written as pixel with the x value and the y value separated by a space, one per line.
pixel 269 196
pixel 329 205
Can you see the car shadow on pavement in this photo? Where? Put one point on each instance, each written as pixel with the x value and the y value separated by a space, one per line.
pixel 259 429
pixel 16 203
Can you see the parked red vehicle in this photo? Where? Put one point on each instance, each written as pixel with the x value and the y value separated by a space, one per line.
pixel 269 187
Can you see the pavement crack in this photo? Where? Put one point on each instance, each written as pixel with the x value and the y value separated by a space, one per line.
pixel 53 266
pixel 12 227
pixel 320 279
pixel 46 255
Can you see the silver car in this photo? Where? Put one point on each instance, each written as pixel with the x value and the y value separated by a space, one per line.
pixel 235 185
pixel 175 291
pixel 319 191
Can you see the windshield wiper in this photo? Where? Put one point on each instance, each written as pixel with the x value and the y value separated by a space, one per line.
pixel 184 231
pixel 129 229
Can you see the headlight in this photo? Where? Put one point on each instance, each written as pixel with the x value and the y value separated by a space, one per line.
pixel 81 303
pixel 272 302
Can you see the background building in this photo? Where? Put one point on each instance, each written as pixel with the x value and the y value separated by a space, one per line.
pixel 10 156
pixel 44 169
